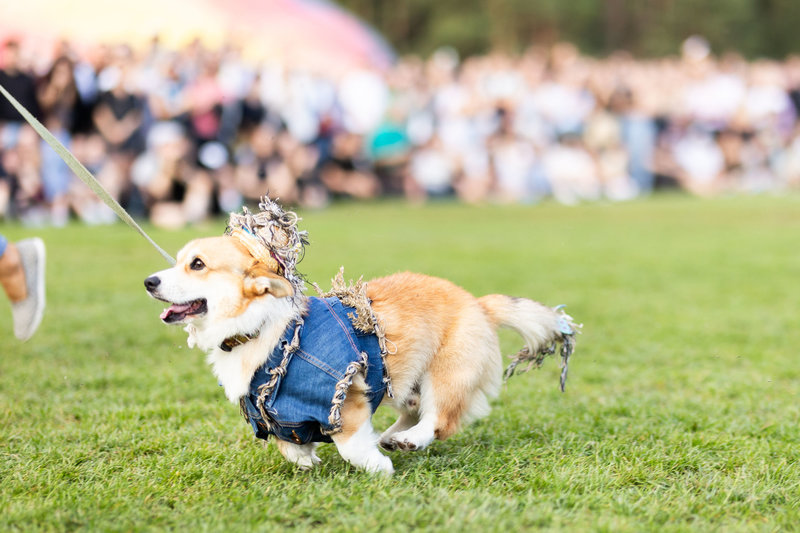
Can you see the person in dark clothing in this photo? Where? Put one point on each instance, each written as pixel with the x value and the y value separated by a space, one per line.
pixel 19 83
pixel 118 117
pixel 58 95
pixel 58 98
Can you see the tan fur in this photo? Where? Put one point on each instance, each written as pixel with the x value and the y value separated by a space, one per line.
pixel 444 358
pixel 438 329
pixel 355 410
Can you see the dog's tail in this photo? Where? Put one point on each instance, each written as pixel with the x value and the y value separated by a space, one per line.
pixel 542 327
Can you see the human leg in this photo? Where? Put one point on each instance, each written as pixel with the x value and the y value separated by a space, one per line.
pixel 22 278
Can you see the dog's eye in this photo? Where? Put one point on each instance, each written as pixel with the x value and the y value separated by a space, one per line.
pixel 197 264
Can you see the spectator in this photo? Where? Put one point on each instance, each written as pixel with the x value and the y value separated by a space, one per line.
pixel 17 81
pixel 58 101
pixel 261 169
pixel 174 190
pixel 180 135
pixel 347 172
pixel 433 172
pixel 571 171
pixel 513 161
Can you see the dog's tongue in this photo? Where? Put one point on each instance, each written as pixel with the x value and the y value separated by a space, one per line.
pixel 175 309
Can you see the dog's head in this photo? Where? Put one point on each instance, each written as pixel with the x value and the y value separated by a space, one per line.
pixel 218 289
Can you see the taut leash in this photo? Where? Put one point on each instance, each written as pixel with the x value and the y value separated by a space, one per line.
pixel 80 171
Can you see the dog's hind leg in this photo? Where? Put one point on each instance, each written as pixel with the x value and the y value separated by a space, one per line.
pixel 454 390
pixel 303 455
pixel 409 417
pixel 403 422
pixel 357 442
pixel 414 431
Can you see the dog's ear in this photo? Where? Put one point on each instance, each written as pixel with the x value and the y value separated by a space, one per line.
pixel 259 281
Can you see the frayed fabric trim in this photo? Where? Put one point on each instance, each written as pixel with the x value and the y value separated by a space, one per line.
pixel 342 388
pixel 354 294
pixel 265 390
pixel 272 236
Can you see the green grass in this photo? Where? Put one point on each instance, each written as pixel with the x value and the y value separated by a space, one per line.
pixel 681 410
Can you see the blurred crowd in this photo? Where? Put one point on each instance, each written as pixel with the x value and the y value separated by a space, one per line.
pixel 178 136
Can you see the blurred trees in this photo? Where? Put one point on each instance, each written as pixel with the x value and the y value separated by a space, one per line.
pixel 643 27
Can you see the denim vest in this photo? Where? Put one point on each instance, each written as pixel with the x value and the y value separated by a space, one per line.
pixel 299 406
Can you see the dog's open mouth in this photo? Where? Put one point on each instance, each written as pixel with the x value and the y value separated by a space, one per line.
pixel 179 312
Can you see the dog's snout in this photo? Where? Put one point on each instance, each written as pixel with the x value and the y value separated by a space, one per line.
pixel 152 282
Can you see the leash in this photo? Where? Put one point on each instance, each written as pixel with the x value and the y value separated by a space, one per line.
pixel 80 171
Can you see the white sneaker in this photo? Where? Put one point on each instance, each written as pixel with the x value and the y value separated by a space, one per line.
pixel 28 313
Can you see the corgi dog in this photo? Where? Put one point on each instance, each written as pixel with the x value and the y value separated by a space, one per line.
pixel 438 365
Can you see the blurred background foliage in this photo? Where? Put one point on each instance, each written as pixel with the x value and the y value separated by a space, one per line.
pixel 645 28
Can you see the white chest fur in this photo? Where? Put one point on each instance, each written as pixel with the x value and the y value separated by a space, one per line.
pixel 229 369
pixel 235 369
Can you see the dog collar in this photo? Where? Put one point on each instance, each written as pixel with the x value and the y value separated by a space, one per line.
pixel 237 340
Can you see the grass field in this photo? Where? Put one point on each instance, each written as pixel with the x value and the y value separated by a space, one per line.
pixel 681 410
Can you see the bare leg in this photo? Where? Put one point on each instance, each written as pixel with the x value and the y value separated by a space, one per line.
pixel 12 274
pixel 22 278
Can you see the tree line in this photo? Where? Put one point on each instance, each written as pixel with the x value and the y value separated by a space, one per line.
pixel 646 28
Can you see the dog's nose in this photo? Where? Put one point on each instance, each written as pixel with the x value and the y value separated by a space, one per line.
pixel 152 282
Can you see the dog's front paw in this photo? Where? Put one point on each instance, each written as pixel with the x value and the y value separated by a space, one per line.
pixel 303 455
pixel 377 463
pixel 307 462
